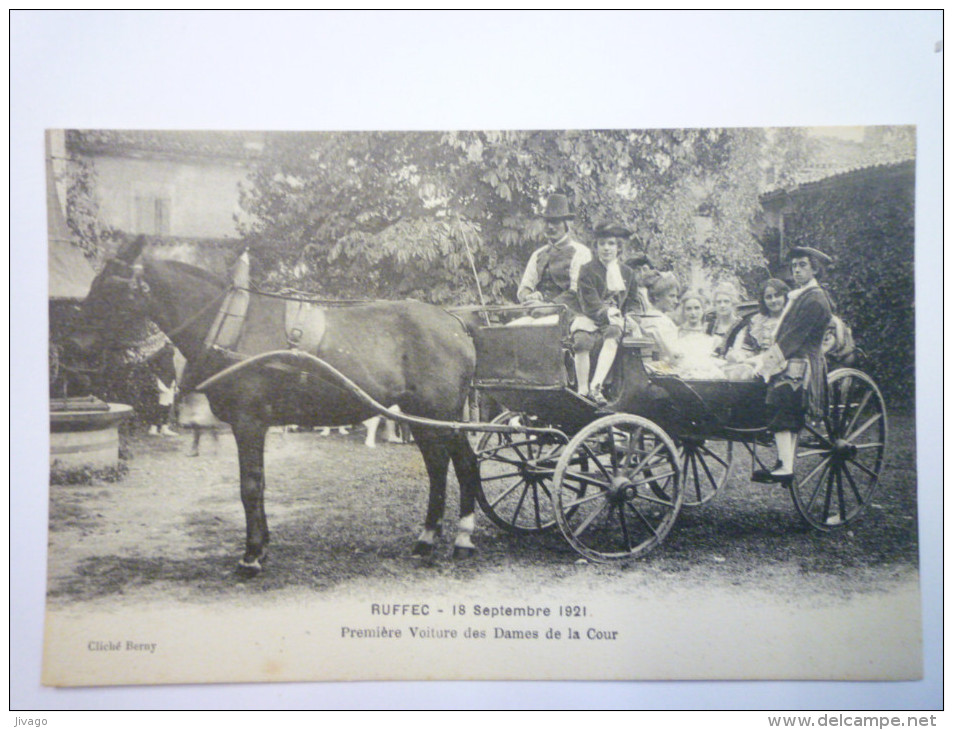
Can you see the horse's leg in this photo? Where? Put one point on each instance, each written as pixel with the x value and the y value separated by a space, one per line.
pixel 468 475
pixel 436 459
pixel 250 438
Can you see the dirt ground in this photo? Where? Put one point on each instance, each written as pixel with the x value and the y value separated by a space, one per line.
pixel 344 517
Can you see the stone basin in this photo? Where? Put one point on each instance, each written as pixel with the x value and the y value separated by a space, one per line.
pixel 86 438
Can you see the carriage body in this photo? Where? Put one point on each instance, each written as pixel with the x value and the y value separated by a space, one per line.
pixel 616 480
pixel 524 368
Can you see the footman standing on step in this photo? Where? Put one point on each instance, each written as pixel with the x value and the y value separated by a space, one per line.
pixel 794 366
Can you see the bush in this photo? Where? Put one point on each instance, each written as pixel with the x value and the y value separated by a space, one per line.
pixel 869 228
pixel 61 475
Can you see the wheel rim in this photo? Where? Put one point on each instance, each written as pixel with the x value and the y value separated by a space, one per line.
pixel 618 488
pixel 706 467
pixel 516 476
pixel 839 459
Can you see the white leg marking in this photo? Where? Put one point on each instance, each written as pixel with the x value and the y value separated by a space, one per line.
pixel 465 532
pixel 427 536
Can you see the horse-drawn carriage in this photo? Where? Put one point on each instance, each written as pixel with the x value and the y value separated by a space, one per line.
pixel 613 479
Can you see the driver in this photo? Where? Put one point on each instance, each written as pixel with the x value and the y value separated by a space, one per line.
pixel 552 273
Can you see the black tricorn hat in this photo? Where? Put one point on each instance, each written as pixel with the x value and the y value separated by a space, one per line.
pixel 557 208
pixel 807 251
pixel 611 229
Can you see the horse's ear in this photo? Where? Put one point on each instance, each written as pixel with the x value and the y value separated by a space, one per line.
pixel 130 251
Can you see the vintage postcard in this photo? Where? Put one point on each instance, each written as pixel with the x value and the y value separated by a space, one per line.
pixel 613 404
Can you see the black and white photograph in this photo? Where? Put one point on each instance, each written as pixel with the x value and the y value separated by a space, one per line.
pixel 612 354
pixel 595 402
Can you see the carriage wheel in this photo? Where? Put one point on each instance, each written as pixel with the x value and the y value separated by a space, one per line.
pixel 706 466
pixel 839 460
pixel 516 476
pixel 618 488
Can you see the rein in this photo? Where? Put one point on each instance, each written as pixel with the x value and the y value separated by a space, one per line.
pixel 198 315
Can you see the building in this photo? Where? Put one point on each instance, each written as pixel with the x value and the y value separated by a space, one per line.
pixel 864 218
pixel 179 188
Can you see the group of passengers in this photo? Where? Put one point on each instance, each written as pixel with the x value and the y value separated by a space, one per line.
pixel 605 298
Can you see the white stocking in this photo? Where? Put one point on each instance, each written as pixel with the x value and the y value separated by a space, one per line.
pixel 581 360
pixel 786 442
pixel 606 358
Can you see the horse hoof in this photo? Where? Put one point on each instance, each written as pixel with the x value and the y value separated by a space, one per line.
pixel 249 569
pixel 463 553
pixel 422 549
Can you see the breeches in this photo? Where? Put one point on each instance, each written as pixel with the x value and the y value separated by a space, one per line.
pixel 583 341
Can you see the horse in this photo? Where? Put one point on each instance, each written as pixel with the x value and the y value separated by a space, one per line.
pixel 408 353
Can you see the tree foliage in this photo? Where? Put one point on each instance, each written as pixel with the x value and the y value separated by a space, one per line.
pixel 398 214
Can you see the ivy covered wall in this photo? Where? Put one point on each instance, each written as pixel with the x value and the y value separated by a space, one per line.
pixel 866 221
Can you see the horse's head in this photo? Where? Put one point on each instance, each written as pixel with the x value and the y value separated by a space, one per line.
pixel 118 294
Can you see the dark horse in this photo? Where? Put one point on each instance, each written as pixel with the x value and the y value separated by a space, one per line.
pixel 406 353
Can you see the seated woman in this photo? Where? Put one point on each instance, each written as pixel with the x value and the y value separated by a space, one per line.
pixel 696 347
pixel 607 293
pixel 687 351
pixel 724 317
pixel 692 318
pixel 758 334
pixel 658 324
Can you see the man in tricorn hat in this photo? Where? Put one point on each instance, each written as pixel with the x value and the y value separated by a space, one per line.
pixel 608 294
pixel 552 273
pixel 794 365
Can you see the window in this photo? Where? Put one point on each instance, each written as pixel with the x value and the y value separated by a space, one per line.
pixel 153 214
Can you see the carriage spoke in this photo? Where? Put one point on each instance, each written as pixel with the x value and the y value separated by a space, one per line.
pixel 513 487
pixel 633 490
pixel 847 470
pixel 823 439
pixel 585 479
pixel 584 525
pixel 536 507
pixel 869 472
pixel 613 455
pixel 841 505
pixel 625 530
pixel 698 484
pixel 814 471
pixel 653 500
pixel 820 481
pixel 501 476
pixel 498 457
pixel 713 455
pixel 841 414
pixel 651 478
pixel 584 500
pixel 506 443
pixel 853 485
pixel 860 409
pixel 711 478
pixel 645 461
pixel 642 517
pixel 519 503
pixel 867 424
pixel 829 492
pixel 598 463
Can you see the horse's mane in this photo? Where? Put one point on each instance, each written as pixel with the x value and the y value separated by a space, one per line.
pixel 191 270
